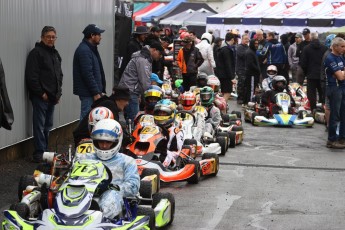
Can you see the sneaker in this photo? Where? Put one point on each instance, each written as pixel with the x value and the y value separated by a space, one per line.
pixel 335 145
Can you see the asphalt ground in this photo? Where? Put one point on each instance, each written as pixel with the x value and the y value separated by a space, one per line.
pixel 278 178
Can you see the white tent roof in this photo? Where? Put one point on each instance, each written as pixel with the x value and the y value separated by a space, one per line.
pixel 240 7
pixel 177 19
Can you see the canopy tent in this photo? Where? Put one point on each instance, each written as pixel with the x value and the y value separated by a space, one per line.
pixel 140 5
pixel 138 18
pixel 331 18
pixel 148 8
pixel 178 18
pixel 170 6
pixel 336 30
pixel 198 18
pixel 182 7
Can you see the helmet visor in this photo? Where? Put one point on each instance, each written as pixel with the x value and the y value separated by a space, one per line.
pixel 205 96
pixel 188 102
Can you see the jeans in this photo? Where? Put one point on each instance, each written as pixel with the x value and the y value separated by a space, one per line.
pixel 85 106
pixel 133 107
pixel 42 122
pixel 336 98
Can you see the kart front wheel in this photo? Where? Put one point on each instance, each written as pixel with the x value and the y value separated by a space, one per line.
pixel 210 156
pixel 238 114
pixel 158 197
pixel 197 173
pixel 149 172
pixel 223 144
pixel 232 141
pixel 145 211
pixel 22 209
pixel 253 117
pixel 25 181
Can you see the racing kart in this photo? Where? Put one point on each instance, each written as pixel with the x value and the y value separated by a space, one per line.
pixel 232 125
pixel 149 150
pixel 277 114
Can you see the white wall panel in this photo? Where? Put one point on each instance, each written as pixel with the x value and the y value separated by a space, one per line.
pixel 21 22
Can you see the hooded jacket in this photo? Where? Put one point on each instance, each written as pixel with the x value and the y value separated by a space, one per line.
pixel 6 112
pixel 252 66
pixel 225 62
pixel 136 76
pixel 191 65
pixel 206 51
pixel 241 59
pixel 43 73
pixel 275 52
pixel 311 62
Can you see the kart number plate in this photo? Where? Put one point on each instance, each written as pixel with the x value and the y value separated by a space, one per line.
pixel 85 148
pixel 150 130
pixel 200 109
pixel 284 97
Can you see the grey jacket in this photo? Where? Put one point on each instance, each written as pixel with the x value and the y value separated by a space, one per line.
pixel 136 76
pixel 293 59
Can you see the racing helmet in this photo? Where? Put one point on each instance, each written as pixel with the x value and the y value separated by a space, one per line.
pixel 188 100
pixel 107 130
pixel 214 83
pixel 271 71
pixel 152 95
pixel 275 82
pixel 164 112
pixel 329 40
pixel 201 80
pixel 97 114
pixel 206 96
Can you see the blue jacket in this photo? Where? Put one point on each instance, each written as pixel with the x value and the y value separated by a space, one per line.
pixel 275 52
pixel 88 73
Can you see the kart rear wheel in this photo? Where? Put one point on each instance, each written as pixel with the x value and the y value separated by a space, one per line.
pixel 210 156
pixel 225 118
pixel 145 211
pixel 197 173
pixel 149 172
pixel 22 209
pixel 44 168
pixel 223 144
pixel 232 141
pixel 24 181
pixel 145 189
pixel 237 128
pixel 238 114
pixel 170 197
pixel 254 114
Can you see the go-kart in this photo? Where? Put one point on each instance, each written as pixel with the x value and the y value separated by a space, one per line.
pixel 169 92
pixel 232 124
pixel 277 114
pixel 76 206
pixel 149 150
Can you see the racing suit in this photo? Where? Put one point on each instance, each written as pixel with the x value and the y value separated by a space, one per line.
pixel 174 146
pixel 267 84
pixel 213 119
pixel 220 102
pixel 126 183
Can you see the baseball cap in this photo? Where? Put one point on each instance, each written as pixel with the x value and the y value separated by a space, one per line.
pixel 299 35
pixel 306 31
pixel 92 29
pixel 154 77
pixel 156 29
pixel 140 30
pixel 157 46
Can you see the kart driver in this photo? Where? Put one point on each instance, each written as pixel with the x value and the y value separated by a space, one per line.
pixel 107 138
pixel 164 116
pixel 219 100
pixel 271 73
pixel 201 81
pixel 214 118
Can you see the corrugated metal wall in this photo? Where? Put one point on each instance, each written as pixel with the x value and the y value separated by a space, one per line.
pixel 21 22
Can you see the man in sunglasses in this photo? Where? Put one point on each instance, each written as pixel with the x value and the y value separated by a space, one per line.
pixel 43 75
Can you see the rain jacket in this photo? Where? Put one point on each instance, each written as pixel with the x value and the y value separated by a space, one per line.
pixel 207 54
pixel 225 62
pixel 275 52
pixel 214 117
pixel 194 61
pixel 6 112
pixel 252 66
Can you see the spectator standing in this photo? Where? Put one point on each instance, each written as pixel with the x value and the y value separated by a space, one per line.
pixel 154 37
pixel 311 64
pixel 259 36
pixel 43 75
pixel 88 74
pixel 226 65
pixel 136 76
pixel 300 47
pixel 206 51
pixel 252 70
pixel 169 34
pixel 195 38
pixel 292 57
pixel 334 68
pixel 241 67
pixel 276 55
pixel 189 59
pixel 135 44
pixel 216 45
pixel 181 30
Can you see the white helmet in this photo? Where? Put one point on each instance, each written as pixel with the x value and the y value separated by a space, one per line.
pixel 97 114
pixel 107 130
pixel 272 71
pixel 214 83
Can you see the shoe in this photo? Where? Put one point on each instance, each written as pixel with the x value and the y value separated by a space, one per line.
pixel 335 145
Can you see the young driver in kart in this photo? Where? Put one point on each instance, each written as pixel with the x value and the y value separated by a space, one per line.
pixel 107 137
pixel 219 100
pixel 271 73
pixel 164 116
pixel 214 117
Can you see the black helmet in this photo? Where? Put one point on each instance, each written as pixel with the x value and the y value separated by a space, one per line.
pixel 202 80
pixel 275 81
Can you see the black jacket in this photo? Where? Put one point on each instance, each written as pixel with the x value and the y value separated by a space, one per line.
pixel 133 46
pixel 311 62
pixel 225 62
pixel 6 112
pixel 43 73
pixel 241 59
pixel 252 66
pixel 300 48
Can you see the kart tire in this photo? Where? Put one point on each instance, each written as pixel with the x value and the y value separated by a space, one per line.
pixel 190 142
pixel 145 189
pixel 210 156
pixel 300 114
pixel 225 118
pixel 24 181
pixel 238 114
pixel 225 134
pixel 170 197
pixel 237 128
pixel 254 114
pixel 44 168
pixel 148 172
pixel 232 139
pixel 146 211
pixel 22 209
pixel 223 144
pixel 197 173
pixel 44 197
